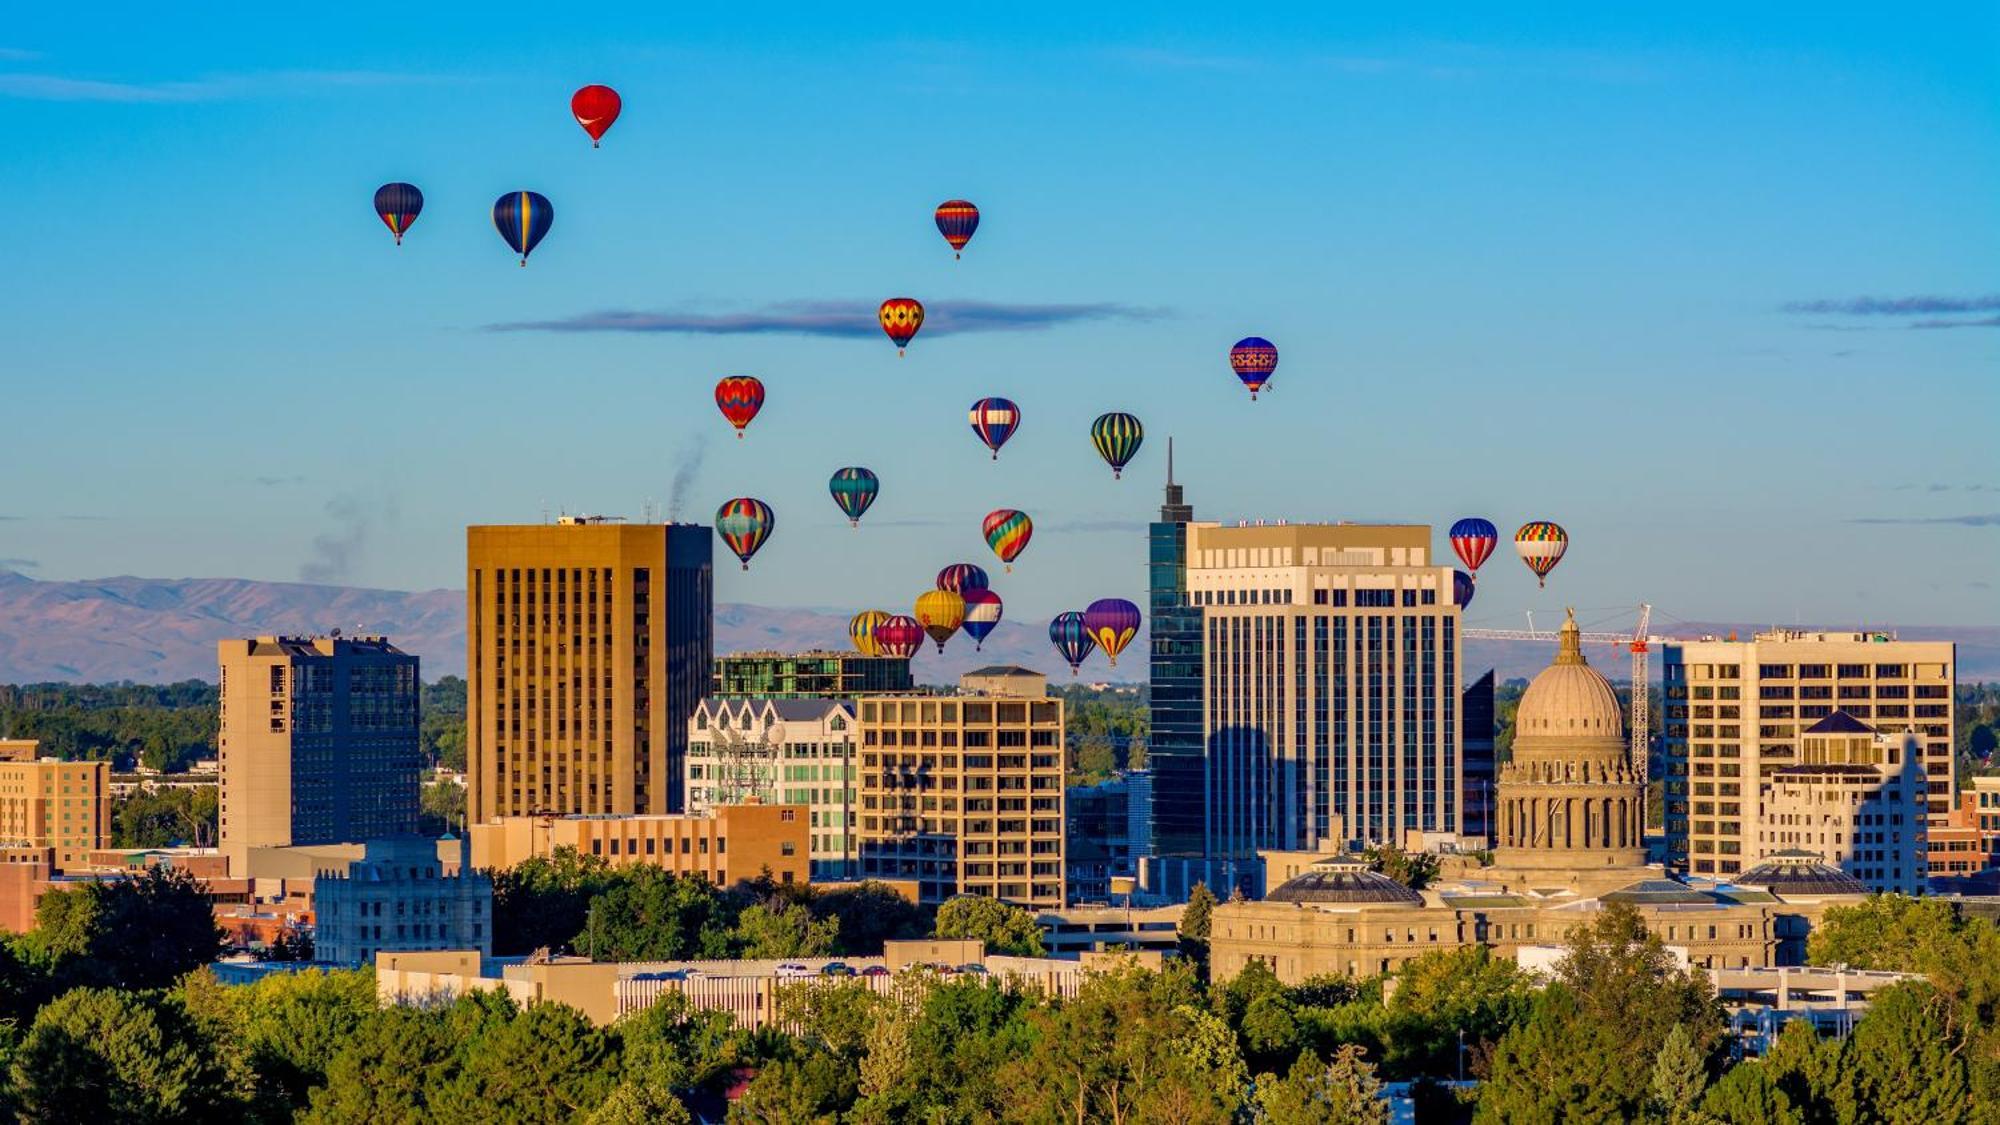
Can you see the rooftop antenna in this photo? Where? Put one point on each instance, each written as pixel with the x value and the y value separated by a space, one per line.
pixel 545 509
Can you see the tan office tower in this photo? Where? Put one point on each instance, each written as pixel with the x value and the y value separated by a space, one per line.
pixel 588 647
pixel 1330 688
pixel 964 793
pixel 318 741
pixel 1736 710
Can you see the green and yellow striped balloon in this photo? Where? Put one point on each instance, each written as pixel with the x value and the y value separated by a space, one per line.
pixel 1117 438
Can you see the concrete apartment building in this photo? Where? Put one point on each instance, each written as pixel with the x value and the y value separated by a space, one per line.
pixel 781 751
pixel 725 845
pixel 398 897
pixel 1735 711
pixel 816 674
pixel 318 741
pixel 588 646
pixel 964 793
pixel 1328 695
pixel 51 806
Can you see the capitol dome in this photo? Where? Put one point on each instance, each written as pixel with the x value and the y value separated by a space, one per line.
pixel 1569 699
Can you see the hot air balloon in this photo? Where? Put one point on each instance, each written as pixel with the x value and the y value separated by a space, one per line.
pixel 1112 623
pixel 1254 358
pixel 901 317
pixel 899 637
pixel 595 107
pixel 994 420
pixel 1462 588
pixel 854 488
pixel 1007 532
pixel 982 615
pixel 523 217
pixel 956 220
pixel 1071 639
pixel 1117 438
pixel 1473 538
pixel 399 204
pixel 744 524
pixel 861 630
pixel 960 578
pixel 739 397
pixel 940 612
pixel 1541 545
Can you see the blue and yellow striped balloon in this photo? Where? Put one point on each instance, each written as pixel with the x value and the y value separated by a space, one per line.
pixel 523 217
pixel 1117 438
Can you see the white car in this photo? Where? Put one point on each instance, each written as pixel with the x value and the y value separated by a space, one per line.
pixel 795 969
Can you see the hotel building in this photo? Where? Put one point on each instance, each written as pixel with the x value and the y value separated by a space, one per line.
pixel 588 647
pixel 53 808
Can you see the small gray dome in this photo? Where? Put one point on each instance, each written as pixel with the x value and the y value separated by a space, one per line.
pixel 1344 879
pixel 1801 873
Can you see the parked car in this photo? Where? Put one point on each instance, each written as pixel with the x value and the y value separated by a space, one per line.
pixel 836 969
pixel 875 971
pixel 972 967
pixel 795 969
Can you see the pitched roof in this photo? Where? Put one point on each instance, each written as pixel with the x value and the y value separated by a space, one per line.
pixel 1840 722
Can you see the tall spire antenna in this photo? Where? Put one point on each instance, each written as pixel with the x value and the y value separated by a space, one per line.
pixel 1175 510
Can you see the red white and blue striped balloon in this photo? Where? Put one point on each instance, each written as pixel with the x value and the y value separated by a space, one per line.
pixel 994 420
pixel 982 614
pixel 1474 539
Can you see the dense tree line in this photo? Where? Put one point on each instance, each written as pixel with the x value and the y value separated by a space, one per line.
pixel 1105 728
pixel 171 817
pixel 164 728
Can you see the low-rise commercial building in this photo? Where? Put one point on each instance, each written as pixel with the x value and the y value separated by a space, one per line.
pixel 398 897
pixel 47 803
pixel 727 845
pixel 781 751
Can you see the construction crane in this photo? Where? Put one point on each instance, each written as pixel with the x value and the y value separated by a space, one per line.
pixel 1639 641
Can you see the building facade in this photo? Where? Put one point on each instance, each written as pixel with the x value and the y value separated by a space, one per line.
pixel 964 793
pixel 588 648
pixel 318 741
pixel 1855 798
pixel 1735 711
pixel 48 806
pixel 727 845
pixel 1110 828
pixel 1478 764
pixel 781 751
pixel 1968 842
pixel 397 897
pixel 1174 746
pixel 807 675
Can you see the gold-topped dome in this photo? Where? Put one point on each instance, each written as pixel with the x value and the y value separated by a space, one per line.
pixel 1569 698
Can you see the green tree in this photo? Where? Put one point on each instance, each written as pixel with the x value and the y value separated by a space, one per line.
pixel 1121 1040
pixel 182 815
pixel 544 901
pixel 650 914
pixel 1007 930
pixel 546 1064
pixel 1905 1062
pixel 441 808
pixel 641 1103
pixel 99 1055
pixel 869 914
pixel 1559 1066
pixel 1196 921
pixel 673 1047
pixel 146 931
pixel 441 730
pixel 1414 870
pixel 1746 1095
pixel 783 930
pixel 1894 932
pixel 387 1070
pixel 1679 1077
pixel 1445 999
pixel 809 1089
pixel 1316 1092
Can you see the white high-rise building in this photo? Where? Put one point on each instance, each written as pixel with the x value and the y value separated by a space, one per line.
pixel 780 751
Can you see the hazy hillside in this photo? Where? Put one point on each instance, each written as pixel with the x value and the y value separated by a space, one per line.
pixel 155 630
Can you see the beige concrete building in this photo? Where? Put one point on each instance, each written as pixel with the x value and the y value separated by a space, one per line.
pixel 781 751
pixel 1330 697
pixel 51 806
pixel 964 793
pixel 725 845
pixel 588 647
pixel 1735 711
pixel 1569 845
pixel 1856 799
pixel 318 741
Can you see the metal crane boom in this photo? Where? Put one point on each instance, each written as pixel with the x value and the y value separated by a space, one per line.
pixel 1640 641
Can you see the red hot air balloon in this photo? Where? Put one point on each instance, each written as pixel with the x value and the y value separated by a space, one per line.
pixel 899 637
pixel 956 220
pixel 739 397
pixel 595 107
pixel 901 317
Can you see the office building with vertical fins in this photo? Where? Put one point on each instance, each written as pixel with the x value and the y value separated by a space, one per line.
pixel 589 645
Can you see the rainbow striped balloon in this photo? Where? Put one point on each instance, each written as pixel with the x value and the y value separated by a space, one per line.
pixel 1007 532
pixel 745 523
pixel 1541 545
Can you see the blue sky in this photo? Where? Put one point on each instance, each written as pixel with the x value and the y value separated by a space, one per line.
pixel 1527 262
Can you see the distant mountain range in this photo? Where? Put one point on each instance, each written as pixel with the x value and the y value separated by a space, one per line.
pixel 157 630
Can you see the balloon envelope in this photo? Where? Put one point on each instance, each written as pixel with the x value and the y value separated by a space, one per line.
pixel 994 420
pixel 1473 539
pixel 739 397
pixel 1254 359
pixel 940 612
pixel 1112 623
pixel 745 523
pixel 961 577
pixel 595 108
pixel 854 489
pixel 900 637
pixel 1007 532
pixel 1462 588
pixel 1541 545
pixel 1117 438
pixel 982 615
pixel 901 317
pixel 398 204
pixel 956 220
pixel 861 631
pixel 523 218
pixel 1071 639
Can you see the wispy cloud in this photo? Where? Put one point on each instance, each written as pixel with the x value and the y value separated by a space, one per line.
pixel 18 54
pixel 1932 307
pixel 20 564
pixel 1939 487
pixel 843 319
pixel 1988 520
pixel 69 88
pixel 57 516
pixel 278 481
pixel 1426 60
